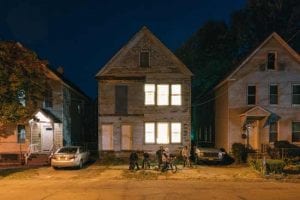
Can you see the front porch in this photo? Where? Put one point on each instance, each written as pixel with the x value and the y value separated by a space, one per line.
pixel 257 129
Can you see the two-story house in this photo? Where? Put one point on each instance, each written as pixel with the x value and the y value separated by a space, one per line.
pixel 59 119
pixel 144 98
pixel 259 102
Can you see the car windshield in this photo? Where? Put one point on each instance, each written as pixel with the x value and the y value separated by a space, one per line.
pixel 68 150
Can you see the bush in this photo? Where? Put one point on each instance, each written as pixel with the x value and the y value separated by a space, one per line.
pixel 239 152
pixel 272 166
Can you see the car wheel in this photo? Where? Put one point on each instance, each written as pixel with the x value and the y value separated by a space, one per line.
pixel 80 166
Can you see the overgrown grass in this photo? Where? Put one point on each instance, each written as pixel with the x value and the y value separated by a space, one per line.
pixel 141 174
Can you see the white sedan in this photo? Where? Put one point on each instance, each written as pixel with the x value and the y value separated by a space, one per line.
pixel 69 156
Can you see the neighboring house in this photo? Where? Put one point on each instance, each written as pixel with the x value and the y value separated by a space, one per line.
pixel 59 120
pixel 259 102
pixel 144 98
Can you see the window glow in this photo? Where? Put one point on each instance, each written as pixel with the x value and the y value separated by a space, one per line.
pixel 149 94
pixel 149 132
pixel 176 94
pixel 175 132
pixel 162 95
pixel 162 133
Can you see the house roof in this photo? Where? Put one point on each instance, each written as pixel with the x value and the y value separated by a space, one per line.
pixel 245 61
pixel 144 31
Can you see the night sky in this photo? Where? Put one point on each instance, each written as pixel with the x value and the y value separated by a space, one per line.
pixel 82 35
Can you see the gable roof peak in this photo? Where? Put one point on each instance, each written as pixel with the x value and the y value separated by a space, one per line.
pixel 274 35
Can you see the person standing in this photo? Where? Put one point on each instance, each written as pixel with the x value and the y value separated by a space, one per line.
pixel 159 154
pixel 133 161
pixel 185 153
pixel 146 161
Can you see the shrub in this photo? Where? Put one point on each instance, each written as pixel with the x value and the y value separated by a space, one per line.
pixel 272 166
pixel 275 166
pixel 239 152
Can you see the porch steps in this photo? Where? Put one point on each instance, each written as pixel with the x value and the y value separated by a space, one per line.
pixel 38 159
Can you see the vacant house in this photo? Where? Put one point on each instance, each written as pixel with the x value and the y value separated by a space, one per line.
pixel 259 102
pixel 59 119
pixel 144 98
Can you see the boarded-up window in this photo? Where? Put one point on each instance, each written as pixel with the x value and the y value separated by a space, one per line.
pixel 107 137
pixel 251 95
pixel 271 60
pixel 144 59
pixel 126 137
pixel 121 99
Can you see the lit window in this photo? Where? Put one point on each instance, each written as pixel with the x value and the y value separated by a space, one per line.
pixel 162 95
pixel 296 94
pixel 175 132
pixel 149 94
pixel 176 95
pixel 149 132
pixel 162 133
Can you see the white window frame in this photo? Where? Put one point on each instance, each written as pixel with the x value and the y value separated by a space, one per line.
pixel 176 96
pixel 163 95
pixel 173 132
pixel 159 137
pixel 154 135
pixel 149 94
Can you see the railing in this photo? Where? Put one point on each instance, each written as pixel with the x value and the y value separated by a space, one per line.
pixel 32 148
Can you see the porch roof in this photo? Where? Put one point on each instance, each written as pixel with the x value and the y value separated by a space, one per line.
pixel 256 112
pixel 47 114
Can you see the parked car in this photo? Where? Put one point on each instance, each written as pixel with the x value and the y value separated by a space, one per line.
pixel 206 155
pixel 70 156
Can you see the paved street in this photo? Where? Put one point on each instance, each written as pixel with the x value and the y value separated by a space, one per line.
pixel 150 189
pixel 100 182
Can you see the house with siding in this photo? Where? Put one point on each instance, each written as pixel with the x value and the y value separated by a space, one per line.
pixel 259 102
pixel 59 120
pixel 144 98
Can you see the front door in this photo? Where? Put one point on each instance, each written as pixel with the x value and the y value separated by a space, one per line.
pixel 46 137
pixel 126 137
pixel 254 135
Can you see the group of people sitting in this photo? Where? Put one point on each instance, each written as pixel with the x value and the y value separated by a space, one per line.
pixel 163 158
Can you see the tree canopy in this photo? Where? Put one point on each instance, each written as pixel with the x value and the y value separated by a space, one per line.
pixel 217 48
pixel 22 81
